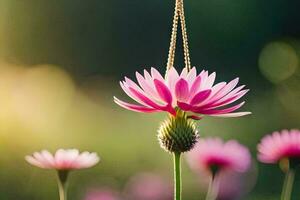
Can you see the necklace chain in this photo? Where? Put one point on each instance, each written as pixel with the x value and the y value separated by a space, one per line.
pixel 179 14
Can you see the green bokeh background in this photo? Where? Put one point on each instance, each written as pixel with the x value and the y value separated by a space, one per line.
pixel 60 66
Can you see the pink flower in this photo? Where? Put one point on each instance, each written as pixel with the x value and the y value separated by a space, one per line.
pixel 284 144
pixel 213 152
pixel 148 186
pixel 187 91
pixel 102 194
pixel 235 185
pixel 63 159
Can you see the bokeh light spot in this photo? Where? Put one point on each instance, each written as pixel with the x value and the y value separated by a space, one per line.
pixel 42 96
pixel 278 61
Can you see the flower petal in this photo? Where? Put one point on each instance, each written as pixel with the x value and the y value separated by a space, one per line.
pixel 225 90
pixel 172 78
pixel 195 86
pixel 223 111
pixel 163 91
pixel 236 114
pixel 209 81
pixel 144 99
pixel 156 75
pixel 149 89
pixel 191 75
pixel 31 160
pixel 184 73
pixel 229 100
pixel 182 90
pixel 184 106
pixel 200 96
pixel 133 107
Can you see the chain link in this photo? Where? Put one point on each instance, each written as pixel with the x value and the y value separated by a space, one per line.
pixel 179 14
pixel 172 49
pixel 187 59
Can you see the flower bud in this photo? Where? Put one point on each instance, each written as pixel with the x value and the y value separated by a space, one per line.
pixel 177 134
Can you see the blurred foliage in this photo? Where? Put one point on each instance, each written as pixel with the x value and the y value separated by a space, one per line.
pixel 61 62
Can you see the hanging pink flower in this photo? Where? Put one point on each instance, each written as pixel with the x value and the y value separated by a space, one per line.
pixel 212 153
pixel 279 145
pixel 187 91
pixel 63 159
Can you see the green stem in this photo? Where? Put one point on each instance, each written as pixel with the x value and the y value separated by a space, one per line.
pixel 177 176
pixel 288 185
pixel 62 184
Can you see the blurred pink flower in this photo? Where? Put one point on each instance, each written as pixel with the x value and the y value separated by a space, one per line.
pixel 187 91
pixel 63 159
pixel 284 144
pixel 147 186
pixel 213 152
pixel 235 185
pixel 102 194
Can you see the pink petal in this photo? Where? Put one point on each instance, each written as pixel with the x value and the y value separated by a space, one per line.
pixel 191 75
pixel 231 94
pixel 195 86
pixel 71 155
pixel 132 84
pixel 209 81
pixel 204 76
pixel 170 109
pixel 134 107
pixel 172 78
pixel 86 160
pixel 200 96
pixel 156 75
pixel 145 99
pixel 184 106
pixel 163 91
pixel 38 156
pixel 214 90
pixel 60 160
pixel 182 90
pixel 149 89
pixel 31 160
pixel 224 111
pixel 148 78
pixel 49 157
pixel 184 73
pixel 81 160
pixel 225 90
pixel 130 94
pixel 237 114
pixel 229 100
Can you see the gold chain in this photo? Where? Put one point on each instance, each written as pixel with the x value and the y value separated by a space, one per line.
pixel 172 48
pixel 187 59
pixel 179 13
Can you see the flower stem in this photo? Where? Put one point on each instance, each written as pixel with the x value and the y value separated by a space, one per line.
pixel 62 184
pixel 213 188
pixel 288 185
pixel 177 176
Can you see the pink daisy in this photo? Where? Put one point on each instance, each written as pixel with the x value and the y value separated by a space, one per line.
pixel 148 186
pixel 214 153
pixel 102 194
pixel 187 91
pixel 279 145
pixel 69 159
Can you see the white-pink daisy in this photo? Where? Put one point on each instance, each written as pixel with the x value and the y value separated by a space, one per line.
pixel 68 159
